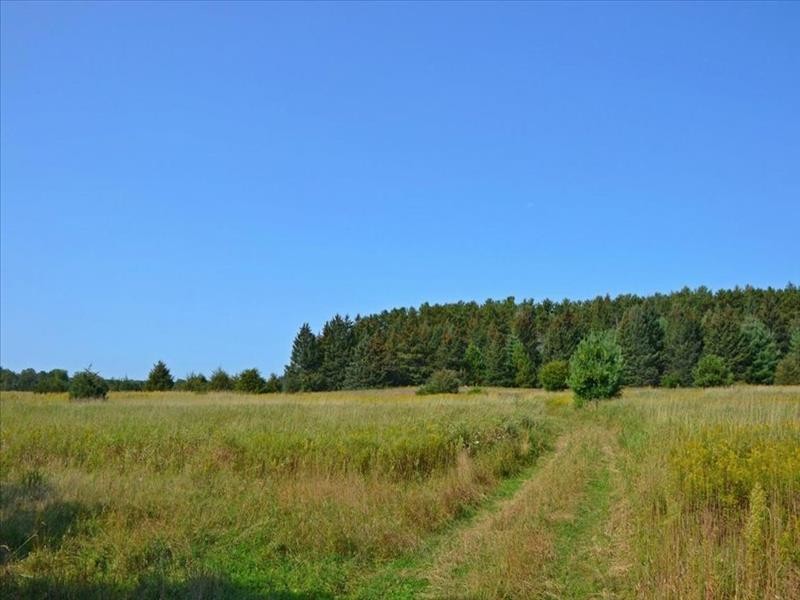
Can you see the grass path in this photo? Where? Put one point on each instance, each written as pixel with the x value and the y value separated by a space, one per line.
pixel 555 531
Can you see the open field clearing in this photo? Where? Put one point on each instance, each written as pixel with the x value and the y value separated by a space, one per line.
pixel 499 494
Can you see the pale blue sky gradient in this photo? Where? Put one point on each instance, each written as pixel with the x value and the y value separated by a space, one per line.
pixel 190 182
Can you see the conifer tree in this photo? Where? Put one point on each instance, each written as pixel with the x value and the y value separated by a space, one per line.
pixel 562 336
pixel 642 341
pixel 762 352
pixel 524 375
pixel 336 346
pixel 159 379
pixel 722 336
pixel 250 381
pixel 474 367
pixel 788 370
pixel 220 381
pixel 683 345
pixel 302 372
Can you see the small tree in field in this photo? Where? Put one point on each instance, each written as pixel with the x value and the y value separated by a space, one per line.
pixel 711 371
pixel 595 369
pixel 87 385
pixel 196 382
pixel 443 381
pixel 250 381
pixel 159 379
pixel 554 374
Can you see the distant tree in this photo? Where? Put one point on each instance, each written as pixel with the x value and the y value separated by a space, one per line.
pixel 220 381
pixel 554 374
pixel 712 371
pixel 250 381
pixel 336 345
pixel 642 341
pixel 722 336
pixel 273 385
pixel 788 369
pixel 56 381
pixel 563 334
pixel 683 345
pixel 524 328
pixel 125 385
pixel 8 380
pixel 474 367
pixel 443 381
pixel 762 352
pixel 196 382
pixel 499 368
pixel 159 379
pixel 367 369
pixel 27 380
pixel 596 368
pixel 87 385
pixel 302 372
pixel 524 374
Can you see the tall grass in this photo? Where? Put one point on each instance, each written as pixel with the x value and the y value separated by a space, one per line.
pixel 298 493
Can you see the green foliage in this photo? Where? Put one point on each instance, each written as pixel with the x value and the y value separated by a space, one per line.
pixel 159 379
pixel 711 371
pixel 762 352
pixel 195 382
pixel 788 370
pixel 220 381
pixel 336 345
pixel 302 373
pixel 563 334
pixel 642 341
pixel 56 381
pixel 596 368
pixel 87 385
pixel 723 337
pixel 273 385
pixel 474 367
pixel 443 381
pixel 249 381
pixel 500 370
pixel 524 374
pixel 683 345
pixel 554 374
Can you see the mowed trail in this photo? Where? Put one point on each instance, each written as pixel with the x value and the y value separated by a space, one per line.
pixel 563 534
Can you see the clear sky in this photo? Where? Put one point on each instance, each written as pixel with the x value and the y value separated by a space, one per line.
pixel 190 182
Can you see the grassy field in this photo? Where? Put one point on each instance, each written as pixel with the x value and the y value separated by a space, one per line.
pixel 500 494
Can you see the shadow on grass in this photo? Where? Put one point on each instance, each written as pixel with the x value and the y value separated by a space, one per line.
pixel 33 516
pixel 152 587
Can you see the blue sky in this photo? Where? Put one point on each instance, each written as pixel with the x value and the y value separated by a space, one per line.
pixel 190 182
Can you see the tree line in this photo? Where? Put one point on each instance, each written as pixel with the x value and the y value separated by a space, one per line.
pixel 752 335
pixel 690 337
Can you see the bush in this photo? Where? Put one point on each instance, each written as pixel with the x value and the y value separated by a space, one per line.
pixel 250 381
pixel 712 370
pixel 87 385
pixel 595 369
pixel 274 384
pixel 159 379
pixel 671 380
pixel 443 381
pixel 554 374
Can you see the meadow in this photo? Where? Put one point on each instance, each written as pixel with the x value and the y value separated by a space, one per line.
pixel 503 493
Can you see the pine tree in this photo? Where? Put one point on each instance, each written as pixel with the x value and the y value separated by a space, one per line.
pixel 562 336
pixel 788 370
pixel 250 381
pixel 595 369
pixel 762 352
pixel 683 345
pixel 499 368
pixel 722 336
pixel 474 367
pixel 159 379
pixel 524 375
pixel 220 381
pixel 642 341
pixel 336 346
pixel 302 373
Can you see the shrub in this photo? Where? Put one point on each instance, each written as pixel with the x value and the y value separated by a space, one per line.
pixel 250 381
pixel 712 370
pixel 443 381
pixel 595 369
pixel 672 380
pixel 220 381
pixel 554 374
pixel 87 385
pixel 159 379
pixel 274 385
